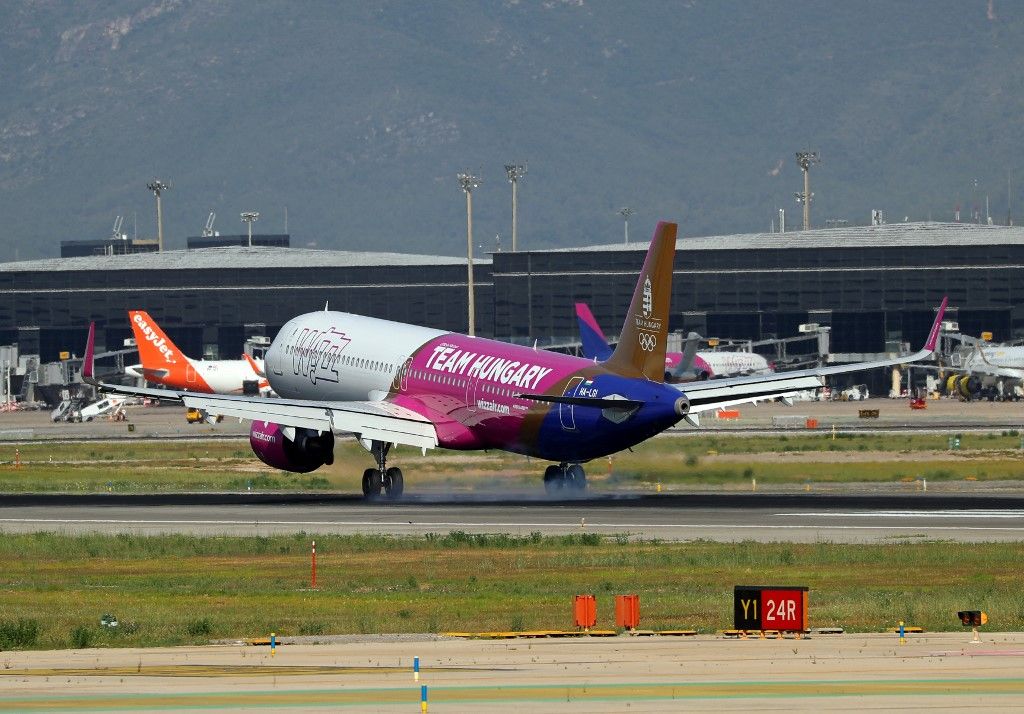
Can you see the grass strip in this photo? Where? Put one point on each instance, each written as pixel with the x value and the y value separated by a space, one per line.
pixel 160 466
pixel 179 589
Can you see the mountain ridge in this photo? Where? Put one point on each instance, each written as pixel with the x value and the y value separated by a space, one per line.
pixel 357 117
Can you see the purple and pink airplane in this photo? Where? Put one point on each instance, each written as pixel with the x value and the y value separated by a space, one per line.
pixel 390 383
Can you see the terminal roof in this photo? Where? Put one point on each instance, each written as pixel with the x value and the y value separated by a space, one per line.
pixel 887 235
pixel 236 257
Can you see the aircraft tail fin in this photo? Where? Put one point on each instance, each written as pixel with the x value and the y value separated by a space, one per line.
pixel 257 370
pixel 595 344
pixel 156 350
pixel 641 347
pixel 685 366
pixel 88 368
pixel 933 335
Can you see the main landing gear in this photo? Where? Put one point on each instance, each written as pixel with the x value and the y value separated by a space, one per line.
pixel 571 477
pixel 382 477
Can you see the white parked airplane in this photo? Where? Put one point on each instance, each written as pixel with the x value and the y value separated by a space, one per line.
pixel 163 363
pixel 997 368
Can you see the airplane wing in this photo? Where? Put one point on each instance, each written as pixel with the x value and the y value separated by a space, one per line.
pixel 379 421
pixel 994 369
pixel 729 391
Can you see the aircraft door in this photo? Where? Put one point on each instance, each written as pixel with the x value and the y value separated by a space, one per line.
pixel 565 411
pixel 190 374
pixel 401 381
pixel 274 358
pixel 471 385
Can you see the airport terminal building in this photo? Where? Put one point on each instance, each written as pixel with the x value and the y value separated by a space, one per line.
pixel 870 284
pixel 210 301
pixel 873 285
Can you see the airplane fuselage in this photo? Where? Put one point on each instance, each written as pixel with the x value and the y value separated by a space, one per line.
pixel 468 387
pixel 208 376
pixel 723 364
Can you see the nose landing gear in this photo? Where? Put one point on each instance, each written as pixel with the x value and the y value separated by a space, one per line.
pixel 570 477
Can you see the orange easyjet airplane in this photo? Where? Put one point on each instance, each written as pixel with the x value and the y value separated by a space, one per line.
pixel 163 363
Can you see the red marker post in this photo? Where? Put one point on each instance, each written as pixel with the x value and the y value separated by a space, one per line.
pixel 312 579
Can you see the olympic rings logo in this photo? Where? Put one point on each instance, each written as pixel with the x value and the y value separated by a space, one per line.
pixel 647 341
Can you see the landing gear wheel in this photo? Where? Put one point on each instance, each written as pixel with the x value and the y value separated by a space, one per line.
pixel 372 483
pixel 394 483
pixel 576 478
pixel 554 479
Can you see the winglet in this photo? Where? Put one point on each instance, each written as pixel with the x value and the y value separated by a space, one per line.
pixel 90 350
pixel 933 336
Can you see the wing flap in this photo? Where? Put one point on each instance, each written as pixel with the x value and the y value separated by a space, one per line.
pixel 277 411
pixel 716 393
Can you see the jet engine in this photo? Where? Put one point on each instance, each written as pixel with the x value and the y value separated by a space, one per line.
pixel 291 448
pixel 963 385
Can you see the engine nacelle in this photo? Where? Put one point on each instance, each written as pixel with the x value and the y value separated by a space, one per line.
pixel 306 451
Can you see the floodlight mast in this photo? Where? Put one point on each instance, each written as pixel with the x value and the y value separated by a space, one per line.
pixel 626 212
pixel 157 187
pixel 248 217
pixel 515 172
pixel 804 159
pixel 468 182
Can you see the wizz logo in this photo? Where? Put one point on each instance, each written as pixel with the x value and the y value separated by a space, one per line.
pixel 317 354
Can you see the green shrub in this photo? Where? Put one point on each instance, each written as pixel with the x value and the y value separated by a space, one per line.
pixel 200 628
pixel 18 634
pixel 82 637
pixel 312 628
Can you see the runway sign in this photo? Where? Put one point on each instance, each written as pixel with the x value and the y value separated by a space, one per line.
pixel 761 607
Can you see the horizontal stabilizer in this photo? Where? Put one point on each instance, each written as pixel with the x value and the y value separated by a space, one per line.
pixel 595 402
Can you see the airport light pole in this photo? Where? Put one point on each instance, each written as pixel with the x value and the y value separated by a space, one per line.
pixel 468 182
pixel 514 172
pixel 804 159
pixel 158 187
pixel 626 213
pixel 248 217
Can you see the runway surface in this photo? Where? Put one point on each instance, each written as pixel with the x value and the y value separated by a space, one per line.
pixel 939 672
pixel 847 518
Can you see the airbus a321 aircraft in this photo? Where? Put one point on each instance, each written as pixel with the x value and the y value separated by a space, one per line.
pixel 392 383
pixel 163 363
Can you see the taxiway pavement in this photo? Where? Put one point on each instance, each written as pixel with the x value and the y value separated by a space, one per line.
pixel 852 672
